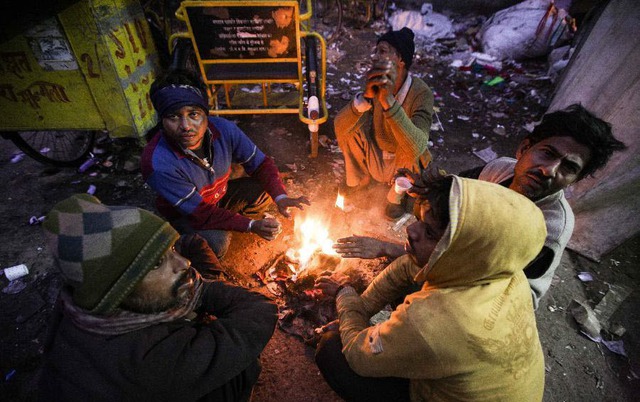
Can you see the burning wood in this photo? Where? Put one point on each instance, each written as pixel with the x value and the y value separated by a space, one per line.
pixel 291 276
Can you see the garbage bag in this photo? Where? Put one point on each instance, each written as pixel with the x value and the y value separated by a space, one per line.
pixel 527 30
pixel 427 23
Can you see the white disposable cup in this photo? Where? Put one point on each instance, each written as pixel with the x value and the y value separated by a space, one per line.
pixel 402 185
pixel 16 272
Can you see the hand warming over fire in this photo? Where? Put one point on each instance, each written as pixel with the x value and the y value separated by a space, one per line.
pixel 285 203
pixel 331 282
pixel 268 228
pixel 359 247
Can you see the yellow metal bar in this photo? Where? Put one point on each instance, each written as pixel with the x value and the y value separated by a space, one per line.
pixel 249 61
pixel 306 16
pixel 264 94
pixel 175 36
pixel 227 87
pixel 252 111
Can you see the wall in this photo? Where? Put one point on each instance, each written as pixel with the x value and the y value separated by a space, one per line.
pixel 604 76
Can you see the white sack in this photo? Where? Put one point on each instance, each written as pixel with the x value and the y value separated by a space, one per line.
pixel 431 25
pixel 511 33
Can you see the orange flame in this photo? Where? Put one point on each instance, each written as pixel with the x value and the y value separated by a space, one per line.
pixel 340 201
pixel 313 236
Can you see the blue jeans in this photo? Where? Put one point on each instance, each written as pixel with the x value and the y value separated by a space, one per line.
pixel 244 196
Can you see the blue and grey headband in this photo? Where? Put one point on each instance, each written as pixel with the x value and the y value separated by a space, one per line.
pixel 173 97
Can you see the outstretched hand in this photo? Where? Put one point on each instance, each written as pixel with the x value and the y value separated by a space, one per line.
pixel 359 247
pixel 285 203
pixel 329 282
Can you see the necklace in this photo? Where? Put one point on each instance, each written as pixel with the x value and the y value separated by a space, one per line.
pixel 204 161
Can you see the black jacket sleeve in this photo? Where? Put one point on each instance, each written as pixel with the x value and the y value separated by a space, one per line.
pixel 196 358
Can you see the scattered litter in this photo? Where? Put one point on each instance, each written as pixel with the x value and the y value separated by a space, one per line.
pixel 293 167
pixel 439 122
pixel 324 141
pixel 487 60
pixel 34 220
pixel 585 276
pixel 335 149
pixel 617 330
pixel 454 95
pixel 45 150
pixel 91 190
pixel 10 374
pixel 17 157
pixel 500 130
pixel 254 90
pixel 610 303
pixel 88 163
pixel 494 81
pixel 615 263
pixel 586 318
pixel 487 154
pixel 463 118
pixel 475 135
pixel 14 287
pixel 616 347
pixel 15 272
pixel 529 126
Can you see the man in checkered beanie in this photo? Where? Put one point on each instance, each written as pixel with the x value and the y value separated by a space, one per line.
pixel 135 321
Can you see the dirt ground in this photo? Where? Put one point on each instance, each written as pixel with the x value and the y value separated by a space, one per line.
pixel 474 116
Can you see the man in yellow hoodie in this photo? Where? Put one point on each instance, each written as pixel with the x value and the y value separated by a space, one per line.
pixel 469 333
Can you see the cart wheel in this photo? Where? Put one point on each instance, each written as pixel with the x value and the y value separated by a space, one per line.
pixel 58 148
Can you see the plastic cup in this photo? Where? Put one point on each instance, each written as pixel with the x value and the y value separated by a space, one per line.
pixel 402 185
pixel 16 272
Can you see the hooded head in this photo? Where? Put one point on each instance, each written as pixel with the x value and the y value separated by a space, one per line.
pixel 493 232
pixel 104 251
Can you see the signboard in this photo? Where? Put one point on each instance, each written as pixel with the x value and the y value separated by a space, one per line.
pixel 256 32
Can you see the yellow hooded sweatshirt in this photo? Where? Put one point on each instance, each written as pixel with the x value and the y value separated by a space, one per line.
pixel 470 333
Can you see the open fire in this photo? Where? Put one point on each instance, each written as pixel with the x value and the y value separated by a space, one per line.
pixel 313 237
pixel 291 275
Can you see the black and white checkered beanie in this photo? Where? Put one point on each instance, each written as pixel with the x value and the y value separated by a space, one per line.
pixel 104 251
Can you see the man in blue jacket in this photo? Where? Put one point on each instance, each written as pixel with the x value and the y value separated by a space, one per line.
pixel 187 162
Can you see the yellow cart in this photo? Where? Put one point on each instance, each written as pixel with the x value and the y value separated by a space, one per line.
pixel 85 70
pixel 259 57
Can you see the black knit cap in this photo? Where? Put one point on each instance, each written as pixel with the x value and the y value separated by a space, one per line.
pixel 402 41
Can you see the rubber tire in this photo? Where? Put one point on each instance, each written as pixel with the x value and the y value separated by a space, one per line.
pixel 66 148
